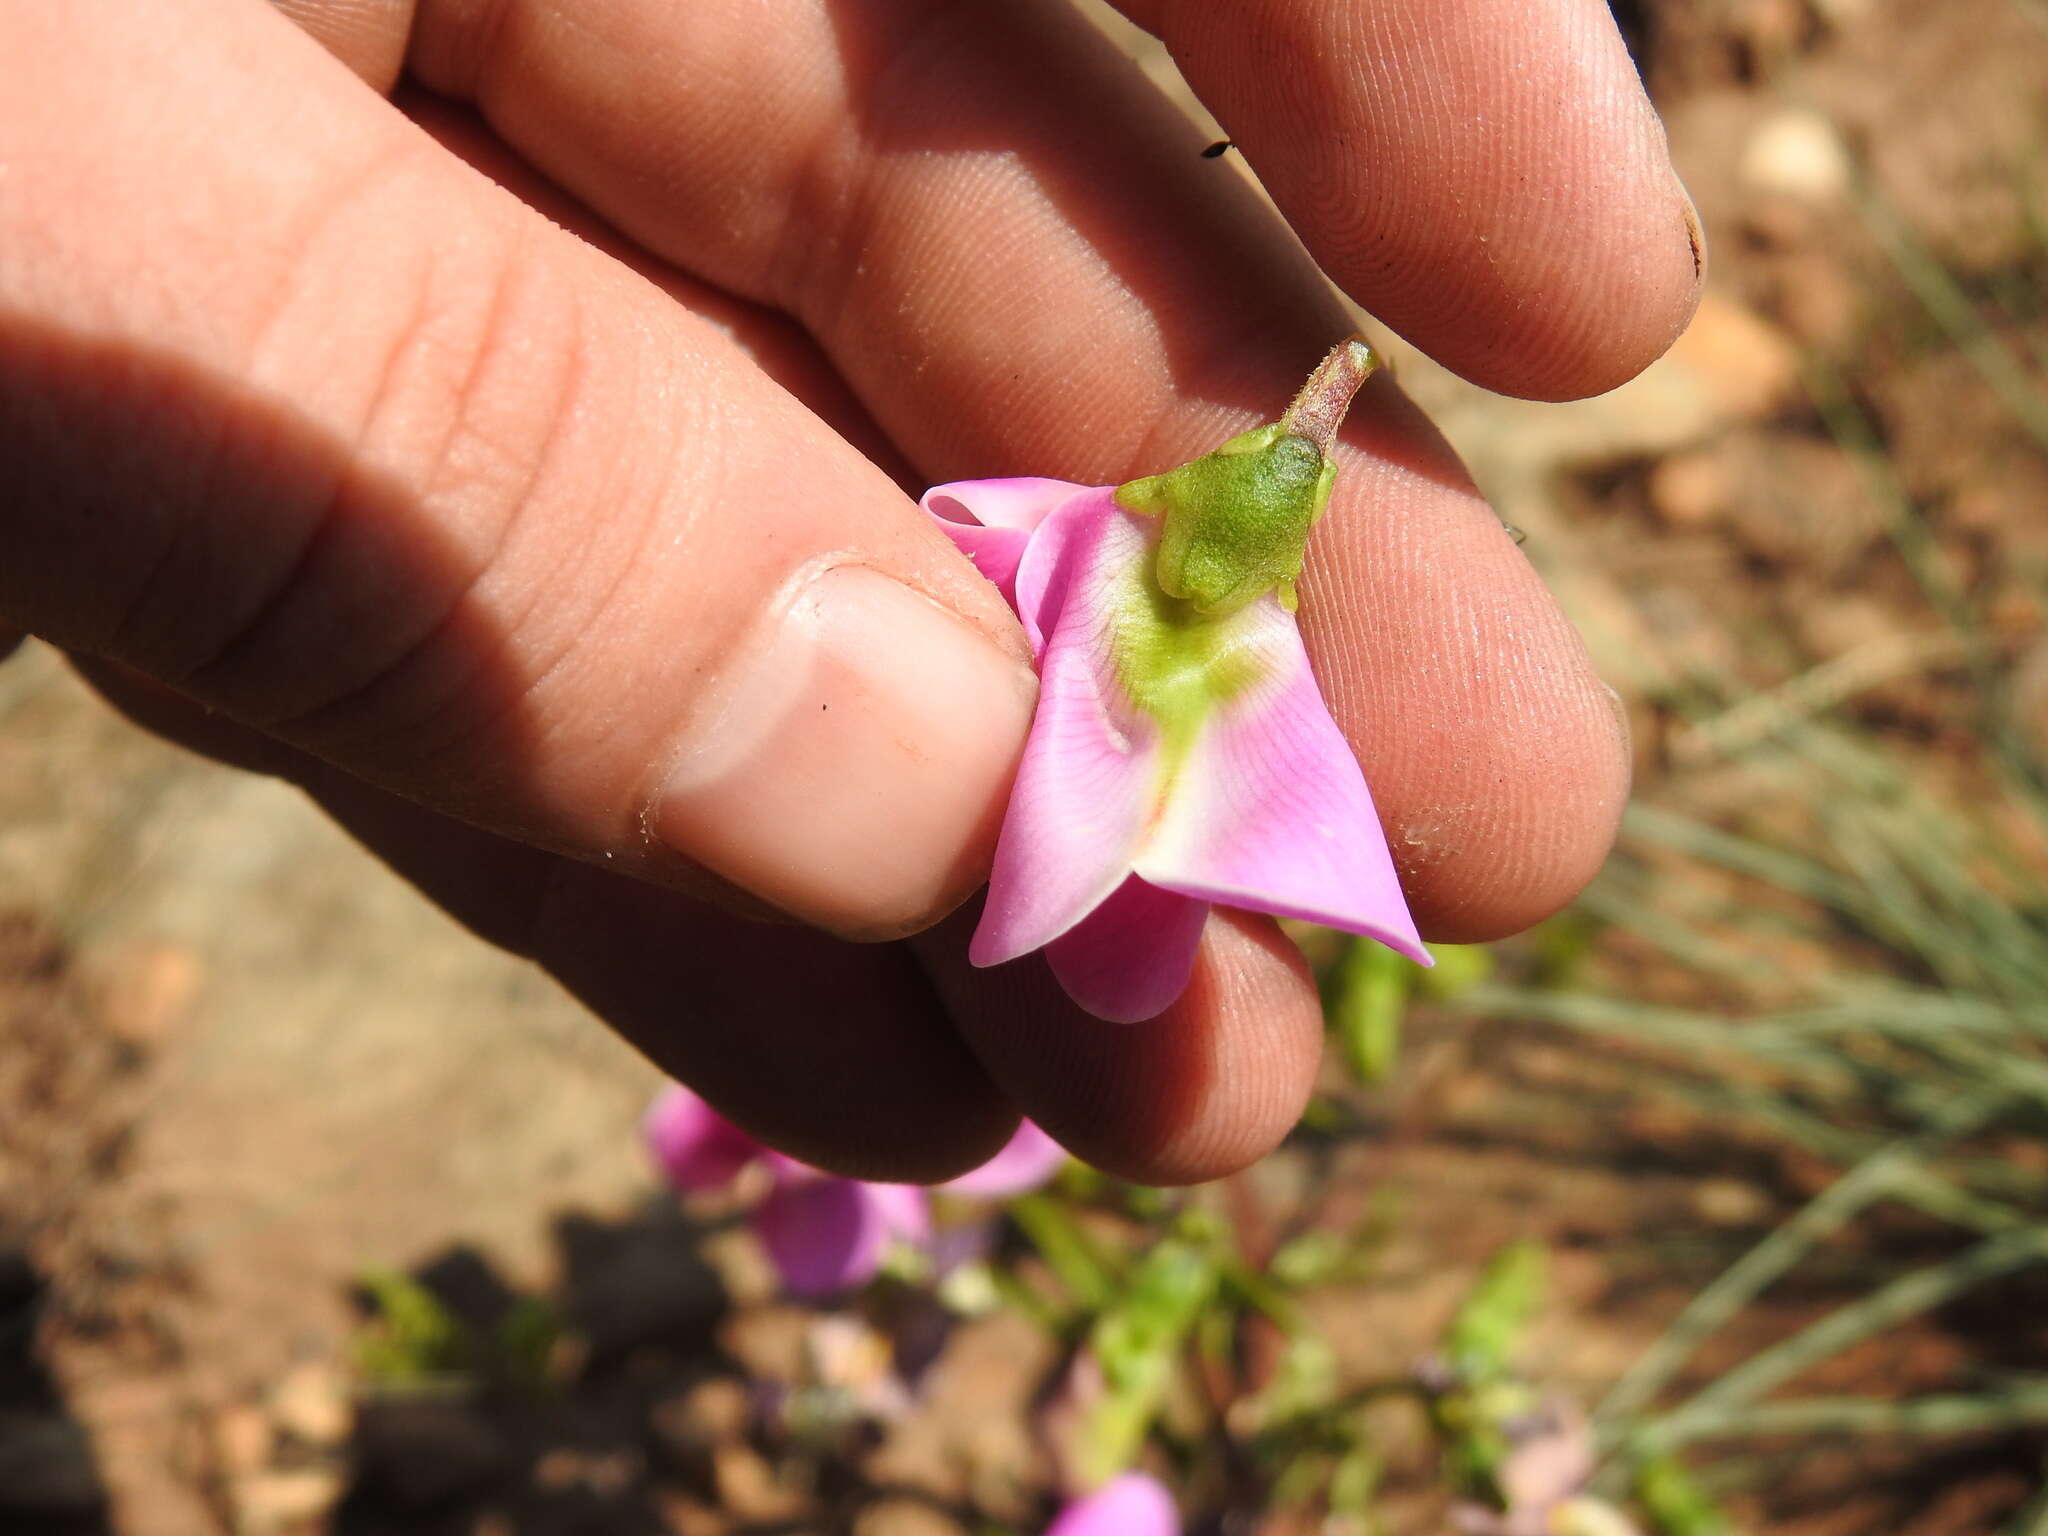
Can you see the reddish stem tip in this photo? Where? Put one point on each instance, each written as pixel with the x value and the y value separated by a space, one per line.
pixel 1318 411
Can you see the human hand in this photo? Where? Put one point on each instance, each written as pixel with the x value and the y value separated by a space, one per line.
pixel 557 563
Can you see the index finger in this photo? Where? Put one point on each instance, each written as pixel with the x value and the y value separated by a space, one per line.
pixel 1484 176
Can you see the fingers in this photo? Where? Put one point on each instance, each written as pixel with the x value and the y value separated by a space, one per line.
pixel 1206 1088
pixel 838 1054
pixel 1012 250
pixel 851 1057
pixel 1497 758
pixel 325 430
pixel 366 35
pixel 1486 177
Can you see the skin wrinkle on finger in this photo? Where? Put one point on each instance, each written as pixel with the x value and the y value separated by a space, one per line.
pixel 772 342
pixel 988 241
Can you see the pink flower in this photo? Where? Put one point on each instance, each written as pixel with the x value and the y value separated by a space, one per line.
pixel 696 1146
pixel 821 1232
pixel 1027 1160
pixel 1131 1505
pixel 1176 759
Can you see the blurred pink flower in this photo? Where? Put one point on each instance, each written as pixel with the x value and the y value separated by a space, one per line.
pixel 821 1232
pixel 1177 758
pixel 696 1146
pixel 1134 1504
pixel 1027 1160
pixel 825 1234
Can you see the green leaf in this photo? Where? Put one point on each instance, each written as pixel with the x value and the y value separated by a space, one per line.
pixel 1356 1483
pixel 1067 1252
pixel 1369 994
pixel 1485 1332
pixel 412 1337
pixel 1458 969
pixel 1674 1503
pixel 1137 1342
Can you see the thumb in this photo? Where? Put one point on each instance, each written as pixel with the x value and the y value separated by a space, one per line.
pixel 310 421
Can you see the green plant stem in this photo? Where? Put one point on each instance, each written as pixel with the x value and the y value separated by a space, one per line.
pixel 2032 1520
pixel 1952 310
pixel 1073 1259
pixel 1957 1414
pixel 1741 1283
pixel 1885 1307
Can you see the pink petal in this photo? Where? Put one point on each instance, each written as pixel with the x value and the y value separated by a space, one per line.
pixel 1132 1505
pixel 1087 786
pixel 1021 502
pixel 1270 811
pixel 1060 546
pixel 1132 956
pixel 696 1146
pixel 991 521
pixel 825 1234
pixel 1027 1160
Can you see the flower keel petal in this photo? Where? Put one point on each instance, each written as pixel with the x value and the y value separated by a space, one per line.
pixel 1132 956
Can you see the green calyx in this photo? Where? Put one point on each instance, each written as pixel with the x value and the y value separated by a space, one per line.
pixel 1237 519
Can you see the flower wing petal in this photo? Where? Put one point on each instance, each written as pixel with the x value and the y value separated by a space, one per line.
pixel 1270 811
pixel 1088 783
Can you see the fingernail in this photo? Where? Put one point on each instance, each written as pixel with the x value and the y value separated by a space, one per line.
pixel 853 765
